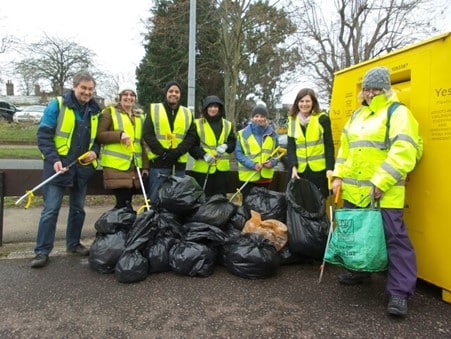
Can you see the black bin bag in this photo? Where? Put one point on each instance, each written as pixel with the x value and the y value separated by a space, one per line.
pixel 106 250
pixel 270 204
pixel 110 221
pixel 307 221
pixel 251 256
pixel 181 196
pixel 217 211
pixel 133 266
pixel 192 259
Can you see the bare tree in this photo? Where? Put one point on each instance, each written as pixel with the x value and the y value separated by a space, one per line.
pixel 251 36
pixel 54 60
pixel 355 31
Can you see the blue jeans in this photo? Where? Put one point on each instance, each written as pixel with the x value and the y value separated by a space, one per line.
pixel 53 197
pixel 155 180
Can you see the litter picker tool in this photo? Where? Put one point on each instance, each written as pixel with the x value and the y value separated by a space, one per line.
pixel 331 228
pixel 208 172
pixel 143 188
pixel 29 194
pixel 206 177
pixel 279 150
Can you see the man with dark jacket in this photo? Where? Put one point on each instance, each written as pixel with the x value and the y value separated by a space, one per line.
pixel 169 133
pixel 66 132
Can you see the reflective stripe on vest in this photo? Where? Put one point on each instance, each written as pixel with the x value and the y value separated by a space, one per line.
pixel 208 143
pixel 170 139
pixel 117 155
pixel 253 151
pixel 310 147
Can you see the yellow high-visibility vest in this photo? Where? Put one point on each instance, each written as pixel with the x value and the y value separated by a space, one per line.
pixel 208 142
pixel 117 155
pixel 253 151
pixel 65 128
pixel 167 138
pixel 309 147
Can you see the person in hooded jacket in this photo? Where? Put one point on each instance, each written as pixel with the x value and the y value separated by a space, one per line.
pixel 211 152
pixel 120 133
pixel 254 151
pixel 66 132
pixel 169 133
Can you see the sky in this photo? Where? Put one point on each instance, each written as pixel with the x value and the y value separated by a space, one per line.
pixel 112 29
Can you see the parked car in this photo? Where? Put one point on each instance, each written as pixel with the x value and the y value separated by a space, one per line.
pixel 7 111
pixel 32 113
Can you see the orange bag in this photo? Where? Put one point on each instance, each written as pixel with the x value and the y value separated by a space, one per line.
pixel 271 229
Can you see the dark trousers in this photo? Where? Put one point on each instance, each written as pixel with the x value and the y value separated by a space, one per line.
pixel 216 183
pixel 123 196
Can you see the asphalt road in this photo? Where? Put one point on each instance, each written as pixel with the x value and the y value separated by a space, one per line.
pixel 67 299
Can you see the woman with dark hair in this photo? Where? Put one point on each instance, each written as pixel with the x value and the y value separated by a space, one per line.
pixel 211 151
pixel 310 147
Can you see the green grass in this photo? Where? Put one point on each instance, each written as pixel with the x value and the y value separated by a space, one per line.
pixel 14 133
pixel 18 152
pixel 18 141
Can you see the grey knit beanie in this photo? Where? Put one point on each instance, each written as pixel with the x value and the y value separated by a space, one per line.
pixel 378 77
pixel 259 109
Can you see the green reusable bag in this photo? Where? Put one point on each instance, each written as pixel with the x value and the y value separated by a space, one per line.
pixel 358 241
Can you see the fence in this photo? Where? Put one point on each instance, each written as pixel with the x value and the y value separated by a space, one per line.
pixel 15 182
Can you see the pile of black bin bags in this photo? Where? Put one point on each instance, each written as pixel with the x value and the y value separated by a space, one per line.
pixel 189 235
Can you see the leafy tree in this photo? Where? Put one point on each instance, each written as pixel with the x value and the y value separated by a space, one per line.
pixel 355 31
pixel 53 60
pixel 238 51
pixel 166 56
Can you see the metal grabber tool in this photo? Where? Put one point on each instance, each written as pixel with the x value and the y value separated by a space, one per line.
pixel 333 202
pixel 29 194
pixel 278 150
pixel 143 188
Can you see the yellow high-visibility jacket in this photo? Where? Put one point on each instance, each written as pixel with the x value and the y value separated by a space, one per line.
pixel 253 151
pixel 119 156
pixel 208 142
pixel 170 139
pixel 364 161
pixel 309 147
pixel 65 129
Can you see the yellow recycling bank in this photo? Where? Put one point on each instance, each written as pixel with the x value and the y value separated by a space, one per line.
pixel 421 75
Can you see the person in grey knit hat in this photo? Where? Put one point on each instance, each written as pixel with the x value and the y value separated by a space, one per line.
pixel 376 169
pixel 378 78
pixel 254 145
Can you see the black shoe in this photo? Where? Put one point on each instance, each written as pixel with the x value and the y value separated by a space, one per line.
pixel 354 278
pixel 39 261
pixel 79 250
pixel 397 306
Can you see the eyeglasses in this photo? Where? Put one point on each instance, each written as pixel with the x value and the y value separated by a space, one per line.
pixel 374 91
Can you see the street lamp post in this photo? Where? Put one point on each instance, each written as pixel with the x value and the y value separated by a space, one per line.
pixel 192 55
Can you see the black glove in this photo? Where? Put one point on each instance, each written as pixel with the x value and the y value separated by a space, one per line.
pixel 171 156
